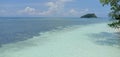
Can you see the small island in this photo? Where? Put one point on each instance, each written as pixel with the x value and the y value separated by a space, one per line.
pixel 89 15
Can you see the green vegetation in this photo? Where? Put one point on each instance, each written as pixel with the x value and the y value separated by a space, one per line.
pixel 90 15
pixel 115 11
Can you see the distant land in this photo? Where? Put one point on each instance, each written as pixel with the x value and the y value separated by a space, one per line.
pixel 89 15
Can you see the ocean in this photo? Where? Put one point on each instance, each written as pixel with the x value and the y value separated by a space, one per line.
pixel 14 29
pixel 57 37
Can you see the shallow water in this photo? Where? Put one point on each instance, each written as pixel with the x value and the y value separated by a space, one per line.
pixel 76 41
pixel 15 29
pixel 95 39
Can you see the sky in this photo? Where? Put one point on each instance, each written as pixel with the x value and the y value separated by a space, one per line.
pixel 51 8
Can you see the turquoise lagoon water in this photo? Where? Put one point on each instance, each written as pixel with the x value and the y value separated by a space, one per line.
pixel 57 37
pixel 14 29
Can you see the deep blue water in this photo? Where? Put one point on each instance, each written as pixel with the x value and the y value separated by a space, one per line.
pixel 14 29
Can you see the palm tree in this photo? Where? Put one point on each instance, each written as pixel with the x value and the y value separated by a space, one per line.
pixel 115 11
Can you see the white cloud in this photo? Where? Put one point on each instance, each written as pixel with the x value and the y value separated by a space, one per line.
pixel 55 6
pixel 84 11
pixel 73 11
pixel 54 9
pixel 28 10
pixel 76 12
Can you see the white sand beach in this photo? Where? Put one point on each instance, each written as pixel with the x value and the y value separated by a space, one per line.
pixel 70 42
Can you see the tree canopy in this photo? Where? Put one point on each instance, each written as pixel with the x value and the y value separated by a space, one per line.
pixel 115 11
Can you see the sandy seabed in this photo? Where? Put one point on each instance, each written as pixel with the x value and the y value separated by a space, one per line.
pixel 69 42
